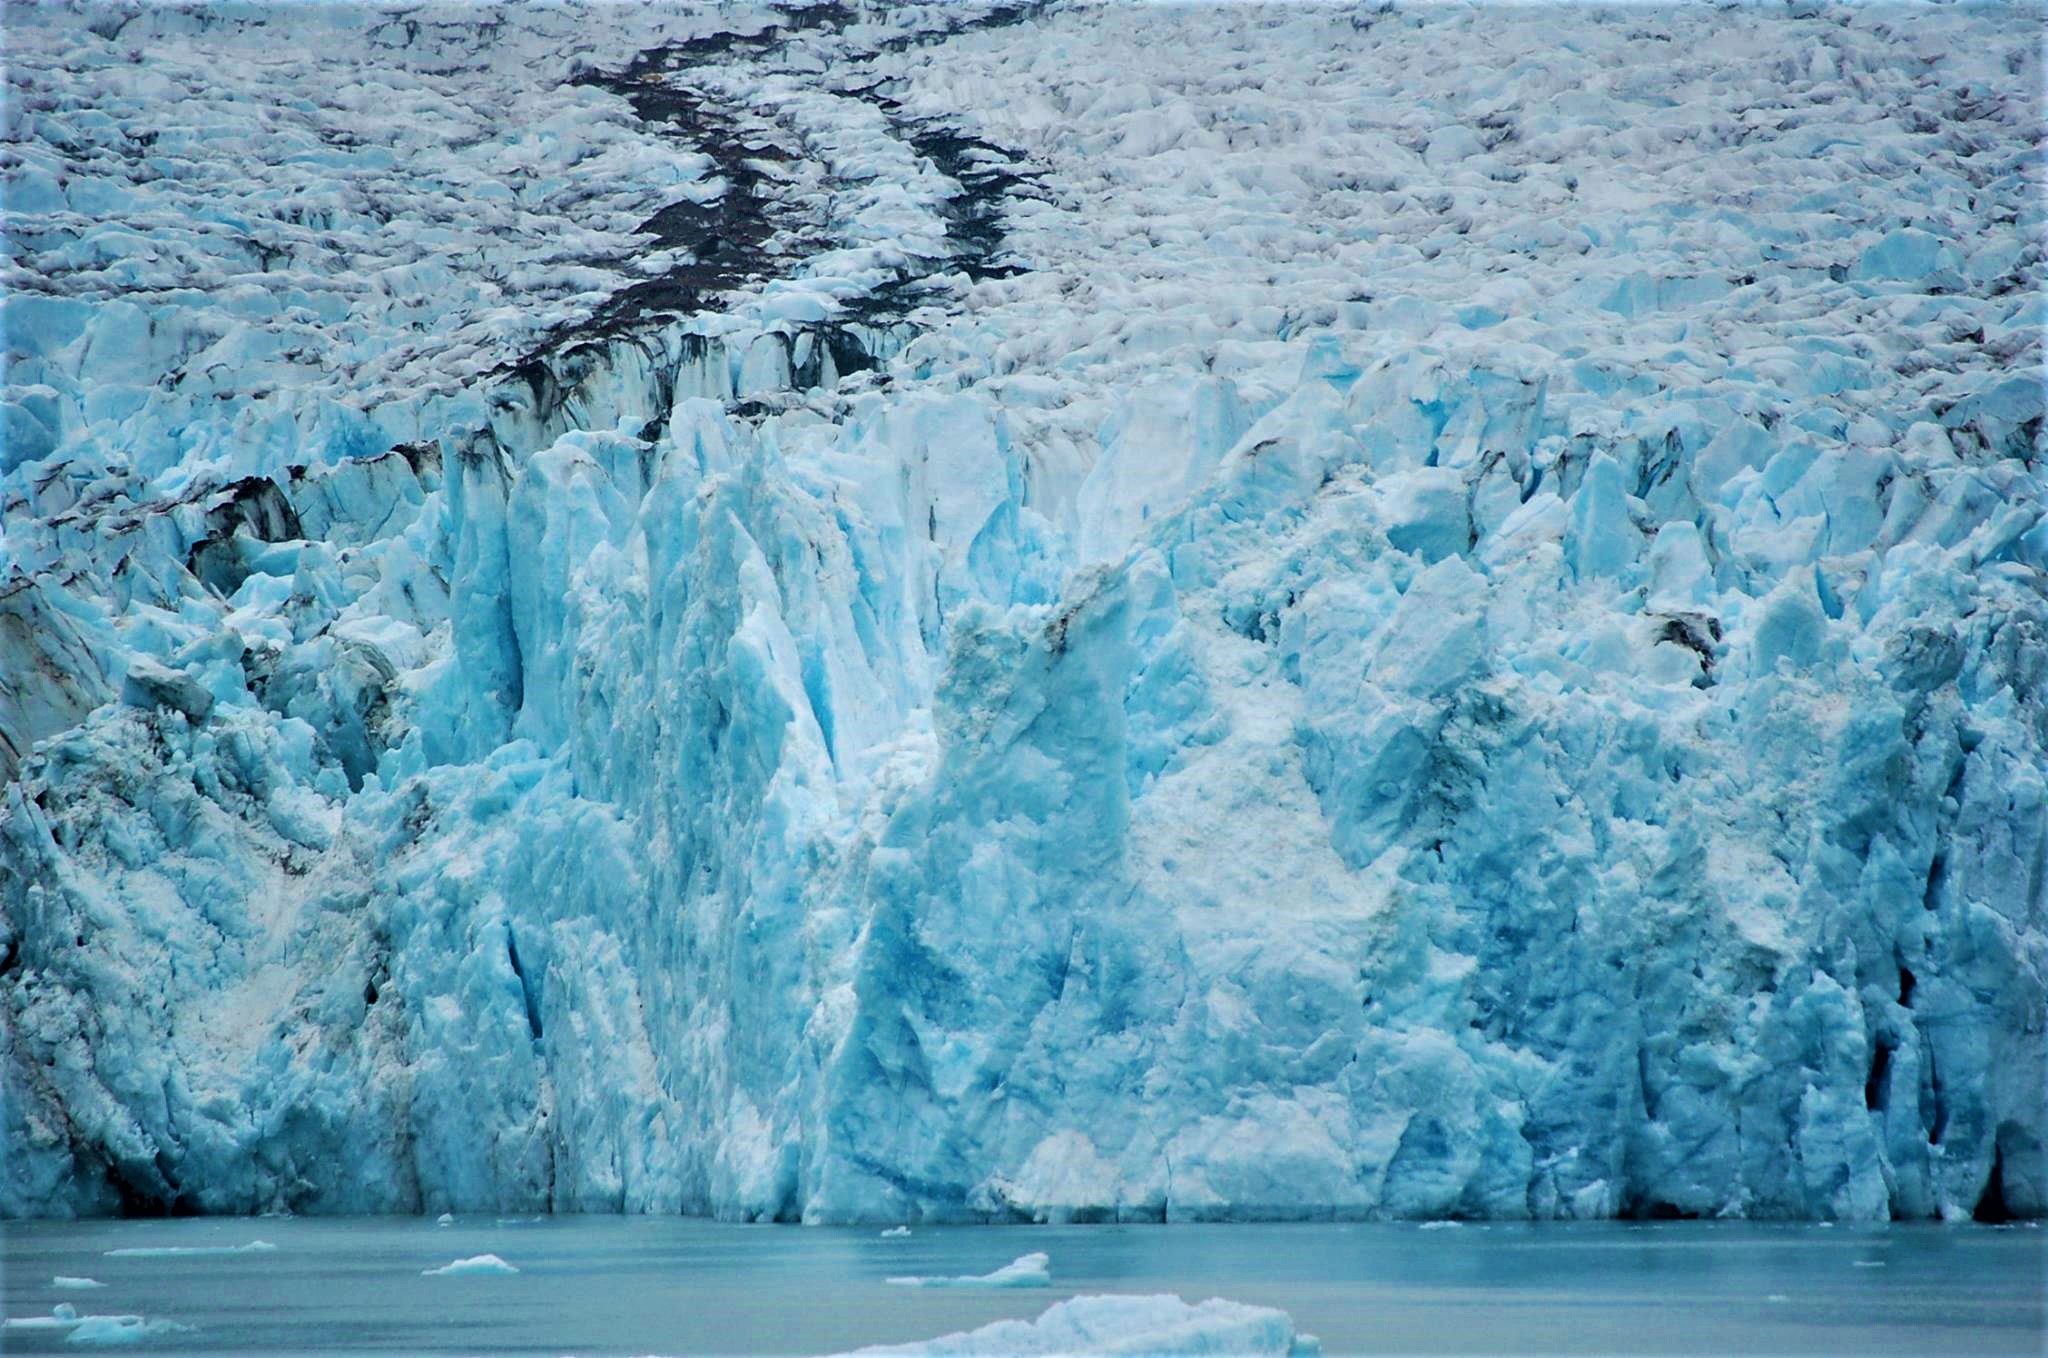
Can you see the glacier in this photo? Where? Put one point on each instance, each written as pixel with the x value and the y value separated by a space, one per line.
pixel 905 614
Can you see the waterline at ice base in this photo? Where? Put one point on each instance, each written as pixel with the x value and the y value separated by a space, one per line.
pixel 1088 613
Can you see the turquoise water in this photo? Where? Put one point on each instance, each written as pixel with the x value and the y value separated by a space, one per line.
pixel 610 1285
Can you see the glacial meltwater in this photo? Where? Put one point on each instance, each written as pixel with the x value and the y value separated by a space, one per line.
pixel 664 1285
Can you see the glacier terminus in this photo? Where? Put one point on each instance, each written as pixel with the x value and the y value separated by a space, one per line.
pixel 861 613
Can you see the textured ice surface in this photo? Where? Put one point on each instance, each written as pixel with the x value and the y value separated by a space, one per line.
pixel 239 222
pixel 1124 1326
pixel 1438 615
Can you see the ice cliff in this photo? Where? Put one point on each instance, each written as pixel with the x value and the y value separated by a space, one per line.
pixel 1098 612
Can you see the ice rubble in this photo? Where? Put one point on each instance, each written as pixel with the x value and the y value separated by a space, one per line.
pixel 1124 1327
pixel 1452 626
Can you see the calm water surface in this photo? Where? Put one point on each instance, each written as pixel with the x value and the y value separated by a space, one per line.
pixel 608 1285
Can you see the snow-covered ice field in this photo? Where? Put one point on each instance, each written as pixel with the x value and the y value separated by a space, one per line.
pixel 1084 613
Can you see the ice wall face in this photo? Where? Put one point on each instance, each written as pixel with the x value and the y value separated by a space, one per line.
pixel 1442 617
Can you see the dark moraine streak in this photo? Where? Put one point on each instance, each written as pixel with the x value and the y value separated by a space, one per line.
pixel 730 242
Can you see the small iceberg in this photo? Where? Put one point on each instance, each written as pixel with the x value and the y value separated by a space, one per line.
pixel 65 1283
pixel 895 1232
pixel 445 1219
pixel 90 1331
pixel 1441 1225
pixel 1026 1270
pixel 477 1265
pixel 1123 1327
pixel 62 1317
pixel 168 1251
pixel 114 1331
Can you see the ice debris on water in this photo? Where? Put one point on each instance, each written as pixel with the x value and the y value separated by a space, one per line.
pixel 1026 1270
pixel 66 1283
pixel 895 1232
pixel 477 1265
pixel 1123 1327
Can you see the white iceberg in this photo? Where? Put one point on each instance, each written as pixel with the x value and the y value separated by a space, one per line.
pixel 65 1283
pixel 477 1265
pixel 1026 1270
pixel 1123 1327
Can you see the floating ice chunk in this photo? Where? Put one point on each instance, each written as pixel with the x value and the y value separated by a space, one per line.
pixel 1440 1225
pixel 1026 1270
pixel 477 1265
pixel 63 1316
pixel 68 1284
pixel 1121 1326
pixel 167 1251
pixel 115 1331
pixel 895 1231
pixel 91 1331
pixel 445 1219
